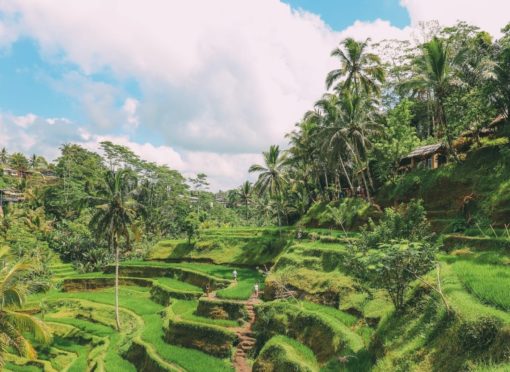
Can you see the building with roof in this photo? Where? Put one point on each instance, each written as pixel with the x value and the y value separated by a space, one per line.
pixel 429 156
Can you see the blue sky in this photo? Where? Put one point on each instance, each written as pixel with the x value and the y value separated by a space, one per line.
pixel 28 77
pixel 340 14
pixel 201 91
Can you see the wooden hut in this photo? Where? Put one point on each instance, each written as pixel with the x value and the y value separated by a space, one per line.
pixel 430 156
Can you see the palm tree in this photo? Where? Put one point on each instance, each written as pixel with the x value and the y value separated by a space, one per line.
pixel 272 178
pixel 4 156
pixel 115 211
pixel 13 324
pixel 33 161
pixel 244 194
pixel 432 77
pixel 352 129
pixel 327 114
pixel 359 70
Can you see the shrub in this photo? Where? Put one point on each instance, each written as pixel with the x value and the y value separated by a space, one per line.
pixel 408 222
pixel 478 336
pixel 396 251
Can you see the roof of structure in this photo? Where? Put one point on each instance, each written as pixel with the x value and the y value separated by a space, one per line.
pixel 424 151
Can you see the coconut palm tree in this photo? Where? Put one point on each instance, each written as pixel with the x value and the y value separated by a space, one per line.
pixel 432 74
pixel 359 70
pixel 115 212
pixel 352 129
pixel 327 113
pixel 244 194
pixel 4 156
pixel 272 178
pixel 13 324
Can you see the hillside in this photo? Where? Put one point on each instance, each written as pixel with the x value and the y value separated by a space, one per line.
pixel 327 320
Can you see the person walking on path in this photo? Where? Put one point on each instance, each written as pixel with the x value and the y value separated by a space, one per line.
pixel 234 275
pixel 256 289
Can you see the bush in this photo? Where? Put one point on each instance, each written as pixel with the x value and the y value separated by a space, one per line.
pixel 395 252
pixel 407 222
pixel 478 336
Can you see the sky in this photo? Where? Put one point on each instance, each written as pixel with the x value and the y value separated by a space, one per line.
pixel 198 85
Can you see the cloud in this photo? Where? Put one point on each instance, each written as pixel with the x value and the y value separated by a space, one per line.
pixel 25 120
pixel 130 108
pixel 224 76
pixel 216 82
pixel 377 30
pixel 33 134
pixel 224 170
pixel 42 136
pixel 489 15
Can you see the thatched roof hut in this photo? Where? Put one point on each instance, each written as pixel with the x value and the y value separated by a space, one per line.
pixel 430 156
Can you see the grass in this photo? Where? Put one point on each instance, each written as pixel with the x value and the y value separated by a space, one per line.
pixel 137 300
pixel 330 312
pixel 178 285
pixel 286 354
pixel 242 246
pixel 242 290
pixel 489 283
pixel 185 310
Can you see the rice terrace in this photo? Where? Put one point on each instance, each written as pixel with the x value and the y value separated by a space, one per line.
pixel 287 186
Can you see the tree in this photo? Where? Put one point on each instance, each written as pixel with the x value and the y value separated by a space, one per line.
pixel 19 161
pixel 352 131
pixel 13 323
pixel 191 226
pixel 397 140
pixel 4 156
pixel 359 70
pixel 394 265
pixel 272 177
pixel 244 193
pixel 115 211
pixel 500 91
pixel 432 75
pixel 394 252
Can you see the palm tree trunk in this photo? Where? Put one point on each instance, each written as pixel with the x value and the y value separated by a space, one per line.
pixel 117 316
pixel 370 176
pixel 346 174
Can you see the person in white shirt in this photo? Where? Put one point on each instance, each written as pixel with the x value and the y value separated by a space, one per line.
pixel 234 275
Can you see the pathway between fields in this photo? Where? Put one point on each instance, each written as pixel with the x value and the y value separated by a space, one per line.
pixel 246 339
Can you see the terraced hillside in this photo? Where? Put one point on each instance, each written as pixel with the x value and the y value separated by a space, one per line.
pixel 313 315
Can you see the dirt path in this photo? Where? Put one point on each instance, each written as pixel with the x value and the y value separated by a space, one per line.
pixel 246 339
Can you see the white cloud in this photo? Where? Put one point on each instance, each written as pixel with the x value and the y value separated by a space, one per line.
pixel 32 134
pixel 25 120
pixel 377 30
pixel 130 108
pixel 223 170
pixel 219 81
pixel 228 75
pixel 489 15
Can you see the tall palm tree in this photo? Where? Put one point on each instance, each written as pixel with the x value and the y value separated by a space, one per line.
pixel 272 178
pixel 4 156
pixel 115 212
pixel 352 131
pixel 327 113
pixel 13 324
pixel 244 194
pixel 359 70
pixel 432 74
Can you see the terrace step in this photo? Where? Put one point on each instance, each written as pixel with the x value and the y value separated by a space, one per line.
pixel 246 339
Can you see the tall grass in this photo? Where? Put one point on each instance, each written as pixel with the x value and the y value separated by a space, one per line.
pixel 489 283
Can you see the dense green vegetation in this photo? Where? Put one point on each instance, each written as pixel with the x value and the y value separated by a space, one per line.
pixel 365 260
